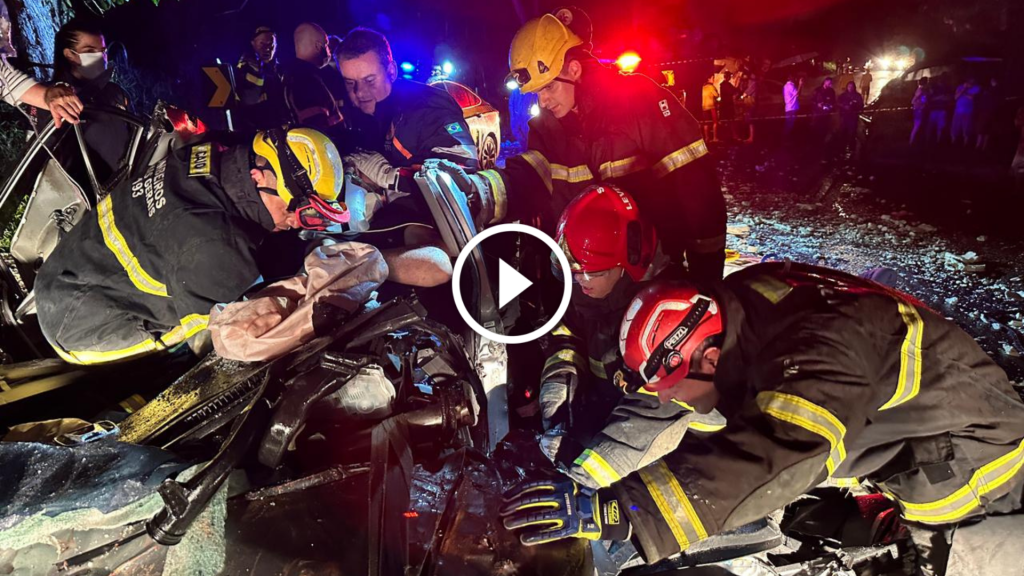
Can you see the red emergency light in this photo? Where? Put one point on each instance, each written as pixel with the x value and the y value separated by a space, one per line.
pixel 628 61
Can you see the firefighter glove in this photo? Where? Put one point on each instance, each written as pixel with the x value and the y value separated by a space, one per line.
pixel 375 169
pixel 548 510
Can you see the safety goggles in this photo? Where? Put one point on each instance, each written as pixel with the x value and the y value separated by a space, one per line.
pixel 313 212
pixel 665 356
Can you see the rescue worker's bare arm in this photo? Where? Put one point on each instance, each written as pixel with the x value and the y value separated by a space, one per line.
pixel 59 99
pixel 421 266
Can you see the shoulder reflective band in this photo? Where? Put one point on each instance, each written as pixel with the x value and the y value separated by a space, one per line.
pixel 668 346
pixel 909 383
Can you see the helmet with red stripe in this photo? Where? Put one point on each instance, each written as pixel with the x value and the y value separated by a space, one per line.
pixel 663 327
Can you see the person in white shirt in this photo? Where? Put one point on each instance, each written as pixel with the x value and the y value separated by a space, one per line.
pixel 791 94
pixel 16 87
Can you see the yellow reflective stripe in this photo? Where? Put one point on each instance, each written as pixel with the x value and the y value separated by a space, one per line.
pixel 597 369
pixel 843 482
pixel 694 424
pixel 567 355
pixel 598 468
pixel 705 427
pixel 91 357
pixel 562 330
pixel 679 158
pixel 773 289
pixel 500 195
pixel 540 164
pixel 965 500
pixel 909 383
pixel 672 502
pixel 574 174
pixel 254 79
pixel 808 416
pixel 620 168
pixel 116 243
pixel 189 327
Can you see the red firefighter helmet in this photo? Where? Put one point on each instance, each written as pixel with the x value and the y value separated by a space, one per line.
pixel 663 326
pixel 602 228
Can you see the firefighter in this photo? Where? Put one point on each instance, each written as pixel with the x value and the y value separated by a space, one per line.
pixel 823 377
pixel 403 122
pixel 163 249
pixel 260 92
pixel 258 68
pixel 143 274
pixel 398 124
pixel 589 403
pixel 599 125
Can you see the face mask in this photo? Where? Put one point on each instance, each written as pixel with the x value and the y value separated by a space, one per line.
pixel 93 64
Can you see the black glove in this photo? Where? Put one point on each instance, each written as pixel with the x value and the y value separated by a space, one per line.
pixel 549 510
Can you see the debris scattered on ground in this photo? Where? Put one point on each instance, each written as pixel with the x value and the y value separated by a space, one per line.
pixel 968 262
pixel 854 228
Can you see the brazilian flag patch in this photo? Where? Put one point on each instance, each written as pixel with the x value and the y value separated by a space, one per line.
pixel 453 128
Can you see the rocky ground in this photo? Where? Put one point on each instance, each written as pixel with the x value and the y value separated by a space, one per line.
pixel 844 215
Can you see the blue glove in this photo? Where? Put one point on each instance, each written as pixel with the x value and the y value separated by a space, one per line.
pixel 549 510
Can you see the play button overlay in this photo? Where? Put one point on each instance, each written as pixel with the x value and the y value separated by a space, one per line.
pixel 511 283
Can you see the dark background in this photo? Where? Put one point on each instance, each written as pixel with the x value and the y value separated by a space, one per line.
pixel 167 43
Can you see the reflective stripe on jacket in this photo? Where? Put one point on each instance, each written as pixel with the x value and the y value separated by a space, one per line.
pixel 628 131
pixel 142 273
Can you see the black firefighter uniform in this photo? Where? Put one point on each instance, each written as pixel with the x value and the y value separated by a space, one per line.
pixel 826 378
pixel 631 132
pixel 142 273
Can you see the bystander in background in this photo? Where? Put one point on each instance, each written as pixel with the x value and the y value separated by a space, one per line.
pixel 988 103
pixel 919 105
pixel 963 113
pixel 709 105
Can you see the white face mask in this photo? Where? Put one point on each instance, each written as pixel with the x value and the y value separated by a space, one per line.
pixel 93 64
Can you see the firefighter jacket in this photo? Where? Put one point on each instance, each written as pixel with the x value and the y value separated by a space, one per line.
pixel 416 122
pixel 825 376
pixel 143 272
pixel 256 80
pixel 308 98
pixel 629 131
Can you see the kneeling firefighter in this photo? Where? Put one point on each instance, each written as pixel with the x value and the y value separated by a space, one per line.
pixel 823 376
pixel 589 402
pixel 164 248
pixel 598 125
